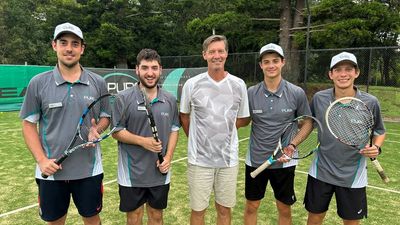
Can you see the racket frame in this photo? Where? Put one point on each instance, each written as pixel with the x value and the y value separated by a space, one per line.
pixel 71 148
pixel 152 122
pixel 374 161
pixel 279 148
pixel 271 160
pixel 318 129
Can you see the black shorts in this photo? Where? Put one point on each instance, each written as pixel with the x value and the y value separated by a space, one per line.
pixel 351 202
pixel 131 198
pixel 282 182
pixel 54 197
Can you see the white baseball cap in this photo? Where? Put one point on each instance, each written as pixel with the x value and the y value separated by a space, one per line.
pixel 344 56
pixel 271 47
pixel 67 28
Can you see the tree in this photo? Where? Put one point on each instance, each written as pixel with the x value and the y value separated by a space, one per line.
pixel 110 28
pixel 22 33
pixel 349 24
pixel 291 18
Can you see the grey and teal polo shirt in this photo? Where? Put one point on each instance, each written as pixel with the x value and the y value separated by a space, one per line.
pixel 270 112
pixel 335 162
pixel 136 165
pixel 57 106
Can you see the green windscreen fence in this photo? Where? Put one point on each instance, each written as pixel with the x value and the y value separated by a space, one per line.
pixel 13 83
pixel 14 80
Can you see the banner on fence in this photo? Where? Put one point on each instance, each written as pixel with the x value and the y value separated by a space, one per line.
pixel 14 81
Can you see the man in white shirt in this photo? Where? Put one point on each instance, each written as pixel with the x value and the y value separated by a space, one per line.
pixel 213 105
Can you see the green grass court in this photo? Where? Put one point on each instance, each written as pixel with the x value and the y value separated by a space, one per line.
pixel 18 196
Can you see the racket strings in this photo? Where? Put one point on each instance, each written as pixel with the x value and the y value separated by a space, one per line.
pixel 305 136
pixel 109 106
pixel 86 122
pixel 351 123
pixel 308 137
pixel 288 135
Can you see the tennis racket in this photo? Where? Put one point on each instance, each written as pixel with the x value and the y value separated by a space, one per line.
pixel 106 103
pixel 298 140
pixel 152 123
pixel 351 122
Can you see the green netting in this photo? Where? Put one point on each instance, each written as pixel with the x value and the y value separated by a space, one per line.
pixel 14 79
pixel 13 82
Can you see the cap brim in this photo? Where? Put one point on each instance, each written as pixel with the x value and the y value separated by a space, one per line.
pixel 346 60
pixel 269 51
pixel 66 32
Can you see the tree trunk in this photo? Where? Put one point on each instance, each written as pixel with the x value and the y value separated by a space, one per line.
pixel 284 36
pixel 122 63
pixel 296 69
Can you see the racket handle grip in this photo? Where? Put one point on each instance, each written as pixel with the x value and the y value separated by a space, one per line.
pixel 261 168
pixel 160 157
pixel 58 161
pixel 380 171
pixel 161 160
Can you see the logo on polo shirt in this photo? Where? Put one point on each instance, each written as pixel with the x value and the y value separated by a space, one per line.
pixel 287 110
pixel 90 98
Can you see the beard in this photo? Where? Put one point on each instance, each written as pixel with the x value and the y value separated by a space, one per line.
pixel 142 80
pixel 69 65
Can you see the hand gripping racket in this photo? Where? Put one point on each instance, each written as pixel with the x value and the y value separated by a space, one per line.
pixel 298 140
pixel 104 104
pixel 152 123
pixel 351 122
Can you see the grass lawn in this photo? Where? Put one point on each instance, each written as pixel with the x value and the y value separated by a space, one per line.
pixel 19 192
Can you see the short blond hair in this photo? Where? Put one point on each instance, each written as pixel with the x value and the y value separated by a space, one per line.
pixel 214 38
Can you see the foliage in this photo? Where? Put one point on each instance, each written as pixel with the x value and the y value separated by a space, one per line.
pixel 115 30
pixel 347 23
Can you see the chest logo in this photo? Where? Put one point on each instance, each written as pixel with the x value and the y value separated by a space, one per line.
pixel 286 110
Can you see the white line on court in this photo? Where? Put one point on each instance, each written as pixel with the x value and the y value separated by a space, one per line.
pixel 18 210
pixel 11 130
pixel 174 161
pixel 105 183
pixel 397 142
pixel 369 186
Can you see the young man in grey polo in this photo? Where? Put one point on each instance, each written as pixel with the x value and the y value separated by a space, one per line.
pixel 273 103
pixel 141 177
pixel 337 168
pixel 56 100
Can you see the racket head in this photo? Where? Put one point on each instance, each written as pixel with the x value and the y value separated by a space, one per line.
pixel 109 106
pixel 303 134
pixel 350 121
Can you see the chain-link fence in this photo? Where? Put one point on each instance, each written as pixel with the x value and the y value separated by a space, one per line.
pixel 379 69
pixel 379 66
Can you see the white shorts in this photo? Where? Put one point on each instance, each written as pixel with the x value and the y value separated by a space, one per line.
pixel 203 180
